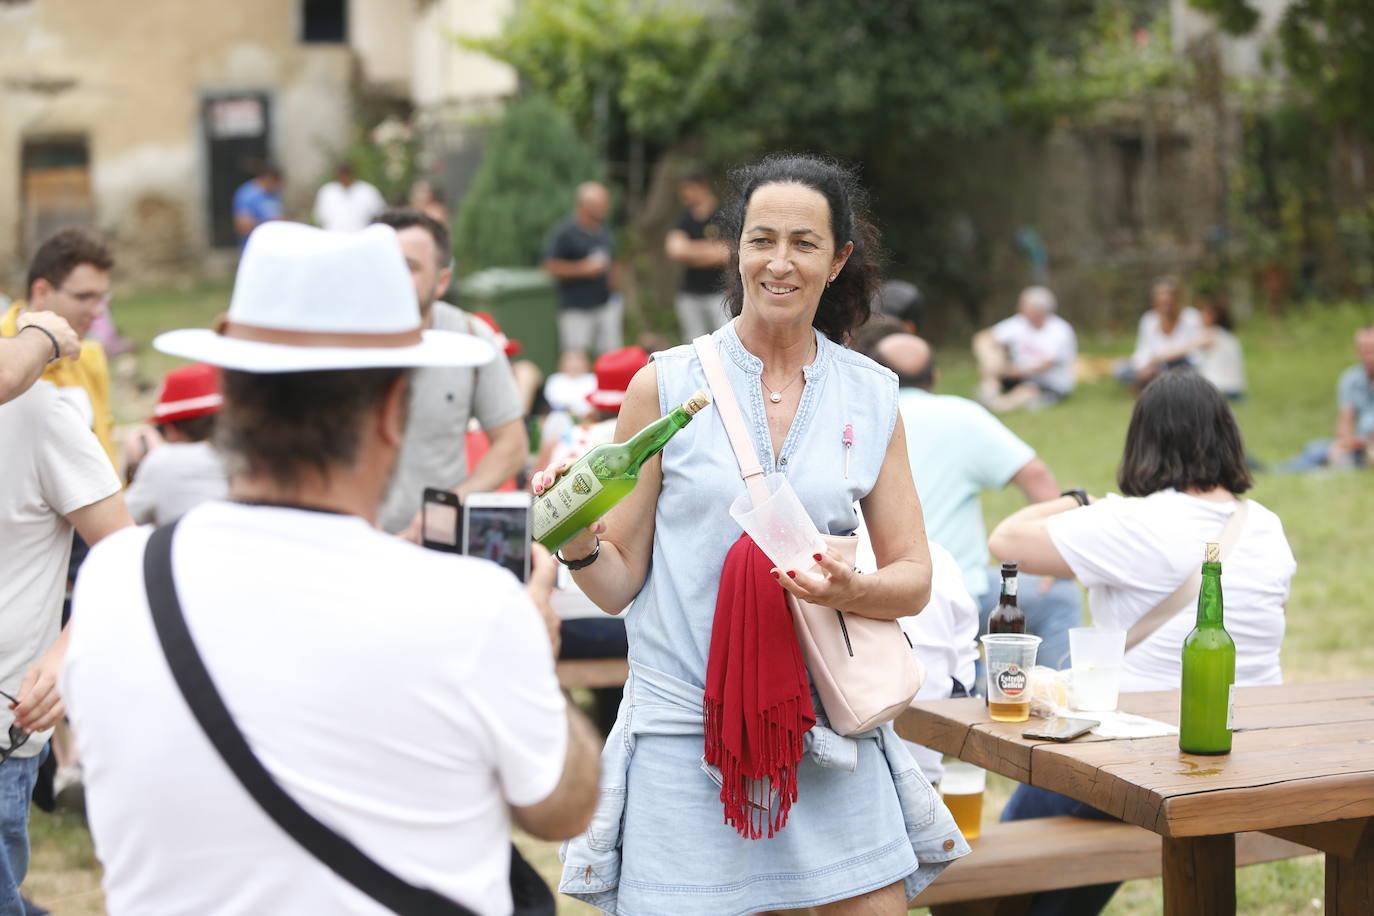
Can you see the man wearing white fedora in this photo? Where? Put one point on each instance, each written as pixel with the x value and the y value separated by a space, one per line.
pixel 328 693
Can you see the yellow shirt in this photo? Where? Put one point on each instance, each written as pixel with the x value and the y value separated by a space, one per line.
pixel 85 382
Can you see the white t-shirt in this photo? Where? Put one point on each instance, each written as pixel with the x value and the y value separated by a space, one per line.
pixel 51 464
pixel 1151 341
pixel 347 209
pixel 1132 552
pixel 405 697
pixel 174 478
pixel 443 402
pixel 1221 362
pixel 1031 346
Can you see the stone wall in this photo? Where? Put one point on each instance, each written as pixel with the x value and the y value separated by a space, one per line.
pixel 130 79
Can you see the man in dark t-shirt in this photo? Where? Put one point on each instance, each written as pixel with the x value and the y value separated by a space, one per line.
pixel 696 244
pixel 578 253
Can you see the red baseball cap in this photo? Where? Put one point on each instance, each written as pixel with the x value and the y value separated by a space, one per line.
pixel 510 347
pixel 190 391
pixel 613 373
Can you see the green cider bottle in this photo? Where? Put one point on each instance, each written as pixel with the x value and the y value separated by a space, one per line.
pixel 1209 671
pixel 603 477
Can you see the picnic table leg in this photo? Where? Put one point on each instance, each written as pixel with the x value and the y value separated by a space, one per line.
pixel 1350 879
pixel 1200 875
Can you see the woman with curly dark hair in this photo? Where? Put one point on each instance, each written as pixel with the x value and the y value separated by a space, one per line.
pixel 846 825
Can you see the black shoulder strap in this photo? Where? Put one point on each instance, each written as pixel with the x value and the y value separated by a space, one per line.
pixel 343 858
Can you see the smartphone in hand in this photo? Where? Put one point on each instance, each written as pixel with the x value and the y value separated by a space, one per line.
pixel 496 527
pixel 440 527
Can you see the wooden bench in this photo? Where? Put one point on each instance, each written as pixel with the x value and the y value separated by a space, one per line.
pixel 593 672
pixel 1011 861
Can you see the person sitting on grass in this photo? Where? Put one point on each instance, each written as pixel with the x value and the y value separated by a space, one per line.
pixel 1182 476
pixel 1219 356
pixel 1168 337
pixel 1354 416
pixel 1026 360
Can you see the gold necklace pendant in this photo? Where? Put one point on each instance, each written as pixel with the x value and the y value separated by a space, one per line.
pixel 775 397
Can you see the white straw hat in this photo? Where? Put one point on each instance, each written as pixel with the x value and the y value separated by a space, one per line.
pixel 308 300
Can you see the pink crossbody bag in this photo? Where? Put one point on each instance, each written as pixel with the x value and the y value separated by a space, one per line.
pixel 865 670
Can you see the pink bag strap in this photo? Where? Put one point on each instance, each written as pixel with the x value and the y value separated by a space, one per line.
pixel 723 395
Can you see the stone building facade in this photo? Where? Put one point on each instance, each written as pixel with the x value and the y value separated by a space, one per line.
pixel 139 118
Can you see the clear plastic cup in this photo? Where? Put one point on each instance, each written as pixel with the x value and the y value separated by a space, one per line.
pixel 1010 658
pixel 962 789
pixel 1096 654
pixel 780 525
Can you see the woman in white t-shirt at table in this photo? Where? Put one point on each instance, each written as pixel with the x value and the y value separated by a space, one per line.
pixel 1182 475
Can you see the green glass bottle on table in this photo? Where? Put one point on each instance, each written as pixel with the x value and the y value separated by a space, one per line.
pixel 1209 671
pixel 603 477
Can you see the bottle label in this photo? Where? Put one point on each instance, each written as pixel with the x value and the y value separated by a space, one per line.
pixel 1011 680
pixel 1231 707
pixel 562 500
pixel 1009 586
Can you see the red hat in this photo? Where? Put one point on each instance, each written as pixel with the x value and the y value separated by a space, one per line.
pixel 191 391
pixel 613 373
pixel 511 347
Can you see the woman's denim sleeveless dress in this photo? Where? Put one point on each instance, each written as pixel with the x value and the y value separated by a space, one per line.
pixel 866 817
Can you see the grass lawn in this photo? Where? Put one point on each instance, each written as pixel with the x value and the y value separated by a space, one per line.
pixel 1329 519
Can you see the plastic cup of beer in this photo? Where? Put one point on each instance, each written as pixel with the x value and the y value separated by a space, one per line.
pixel 1096 654
pixel 1010 656
pixel 962 789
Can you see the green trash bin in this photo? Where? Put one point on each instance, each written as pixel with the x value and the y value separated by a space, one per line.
pixel 521 299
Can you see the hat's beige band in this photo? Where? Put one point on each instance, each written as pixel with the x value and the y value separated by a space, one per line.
pixel 259 334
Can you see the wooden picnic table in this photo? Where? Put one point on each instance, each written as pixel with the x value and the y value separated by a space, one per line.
pixel 1301 768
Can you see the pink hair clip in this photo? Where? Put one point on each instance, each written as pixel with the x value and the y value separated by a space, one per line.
pixel 848 440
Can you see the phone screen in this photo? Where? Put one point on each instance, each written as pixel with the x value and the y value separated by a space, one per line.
pixel 439 520
pixel 499 534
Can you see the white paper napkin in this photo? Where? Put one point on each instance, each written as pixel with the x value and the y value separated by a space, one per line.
pixel 1126 725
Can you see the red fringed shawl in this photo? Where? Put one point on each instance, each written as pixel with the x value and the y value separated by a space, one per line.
pixel 757 702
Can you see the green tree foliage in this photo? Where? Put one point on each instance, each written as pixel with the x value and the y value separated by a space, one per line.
pixel 849 77
pixel 533 162
pixel 1118 57
pixel 1328 50
pixel 652 68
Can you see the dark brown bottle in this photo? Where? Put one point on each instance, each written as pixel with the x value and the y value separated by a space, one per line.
pixel 1008 617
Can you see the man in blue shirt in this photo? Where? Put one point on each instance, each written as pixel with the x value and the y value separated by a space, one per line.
pixel 257 200
pixel 1354 415
pixel 957 449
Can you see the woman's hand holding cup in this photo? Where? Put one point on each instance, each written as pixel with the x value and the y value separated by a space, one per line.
pixel 830 583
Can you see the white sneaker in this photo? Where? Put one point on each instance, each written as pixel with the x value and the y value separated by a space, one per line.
pixel 67 788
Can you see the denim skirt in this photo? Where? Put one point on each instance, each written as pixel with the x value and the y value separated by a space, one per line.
pixel 845 835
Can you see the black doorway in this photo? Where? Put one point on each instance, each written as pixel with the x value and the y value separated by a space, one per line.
pixel 238 132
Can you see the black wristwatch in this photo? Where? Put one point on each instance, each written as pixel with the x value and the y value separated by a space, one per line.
pixel 1077 493
pixel 583 563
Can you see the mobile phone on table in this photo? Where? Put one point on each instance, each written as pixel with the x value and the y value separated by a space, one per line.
pixel 1060 729
pixel 496 527
pixel 440 517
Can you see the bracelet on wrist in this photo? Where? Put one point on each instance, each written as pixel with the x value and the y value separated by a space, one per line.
pixel 1077 493
pixel 56 348
pixel 584 562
